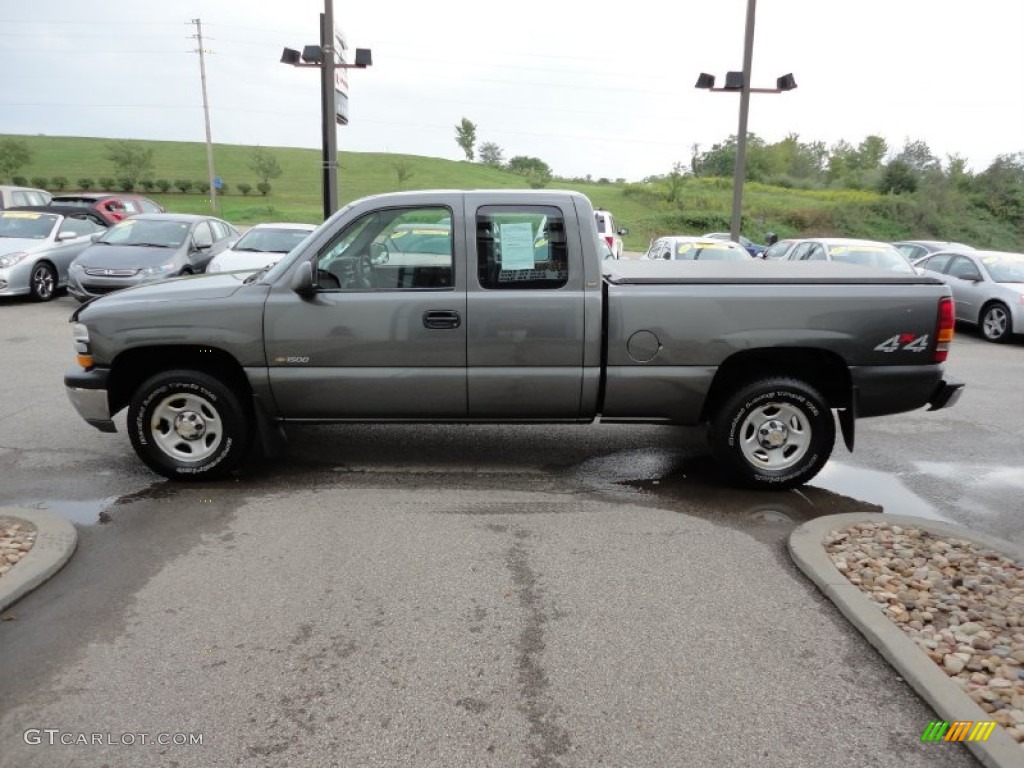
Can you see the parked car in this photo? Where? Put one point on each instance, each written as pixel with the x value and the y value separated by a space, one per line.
pixel 779 249
pixel 609 231
pixel 691 248
pixel 867 253
pixel 988 288
pixel 148 247
pixel 112 207
pixel 918 249
pixel 38 244
pixel 261 246
pixel 753 248
pixel 605 250
pixel 16 197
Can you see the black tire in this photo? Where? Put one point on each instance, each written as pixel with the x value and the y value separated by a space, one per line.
pixel 995 323
pixel 187 425
pixel 42 284
pixel 773 433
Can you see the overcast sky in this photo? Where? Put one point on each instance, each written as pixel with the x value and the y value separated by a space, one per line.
pixel 590 88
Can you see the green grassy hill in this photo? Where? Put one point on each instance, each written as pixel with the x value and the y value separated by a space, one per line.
pixel 704 204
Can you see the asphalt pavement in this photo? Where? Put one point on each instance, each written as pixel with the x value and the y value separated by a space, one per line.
pixel 452 595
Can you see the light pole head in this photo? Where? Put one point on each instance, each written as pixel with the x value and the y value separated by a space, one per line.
pixel 313 54
pixel 364 57
pixel 734 81
pixel 786 82
pixel 704 80
pixel 290 56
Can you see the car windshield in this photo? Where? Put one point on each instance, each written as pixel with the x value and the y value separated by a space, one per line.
pixel 1005 269
pixel 270 240
pixel 872 256
pixel 28 226
pixel 78 202
pixel 710 251
pixel 165 234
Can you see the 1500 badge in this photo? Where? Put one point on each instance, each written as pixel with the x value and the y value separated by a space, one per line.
pixel 907 342
pixel 291 360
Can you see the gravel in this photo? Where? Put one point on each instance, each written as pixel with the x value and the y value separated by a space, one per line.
pixel 16 539
pixel 962 604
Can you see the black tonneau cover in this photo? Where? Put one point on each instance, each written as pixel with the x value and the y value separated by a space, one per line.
pixel 644 272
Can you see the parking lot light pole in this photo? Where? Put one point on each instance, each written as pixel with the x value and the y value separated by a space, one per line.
pixel 324 56
pixel 739 82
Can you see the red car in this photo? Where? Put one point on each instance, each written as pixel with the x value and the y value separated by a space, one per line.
pixel 111 206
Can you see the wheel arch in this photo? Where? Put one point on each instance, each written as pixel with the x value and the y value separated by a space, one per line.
pixel 824 370
pixel 133 366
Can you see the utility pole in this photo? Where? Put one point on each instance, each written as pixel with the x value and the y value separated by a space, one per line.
pixel 739 176
pixel 330 128
pixel 206 113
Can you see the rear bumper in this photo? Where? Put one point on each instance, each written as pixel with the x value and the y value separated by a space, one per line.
pixel 87 391
pixel 946 394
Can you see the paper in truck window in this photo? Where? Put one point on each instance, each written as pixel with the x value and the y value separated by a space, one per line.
pixel 517 246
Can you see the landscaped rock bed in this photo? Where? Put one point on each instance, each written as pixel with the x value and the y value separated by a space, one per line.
pixel 16 539
pixel 962 604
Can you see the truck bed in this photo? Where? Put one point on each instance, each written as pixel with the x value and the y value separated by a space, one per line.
pixel 755 271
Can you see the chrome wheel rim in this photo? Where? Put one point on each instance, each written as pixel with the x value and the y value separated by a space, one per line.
pixel 775 436
pixel 187 427
pixel 43 282
pixel 994 324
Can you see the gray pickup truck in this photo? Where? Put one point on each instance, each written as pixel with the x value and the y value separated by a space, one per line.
pixel 496 306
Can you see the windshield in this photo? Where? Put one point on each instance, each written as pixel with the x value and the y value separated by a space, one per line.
pixel 270 240
pixel 710 251
pixel 28 226
pixel 165 234
pixel 872 256
pixel 1007 268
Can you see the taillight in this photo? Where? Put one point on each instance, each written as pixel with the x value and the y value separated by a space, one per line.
pixel 611 242
pixel 944 329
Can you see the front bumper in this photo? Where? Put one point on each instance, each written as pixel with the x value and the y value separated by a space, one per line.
pixel 87 391
pixel 84 286
pixel 946 394
pixel 15 281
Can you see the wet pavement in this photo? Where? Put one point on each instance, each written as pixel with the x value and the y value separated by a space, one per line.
pixel 439 595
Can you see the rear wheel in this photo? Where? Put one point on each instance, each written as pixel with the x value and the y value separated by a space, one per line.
pixel 43 282
pixel 773 433
pixel 995 322
pixel 187 425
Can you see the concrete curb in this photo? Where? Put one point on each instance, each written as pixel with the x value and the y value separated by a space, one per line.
pixel 55 541
pixel 806 546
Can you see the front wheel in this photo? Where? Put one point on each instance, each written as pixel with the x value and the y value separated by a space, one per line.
pixel 43 282
pixel 773 433
pixel 187 425
pixel 995 323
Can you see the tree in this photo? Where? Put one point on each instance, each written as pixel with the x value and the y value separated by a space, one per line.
pixel 60 183
pixel 465 137
pixel 132 160
pixel 244 188
pixel 898 177
pixel 522 164
pixel 265 166
pixel 403 170
pixel 491 154
pixel 163 185
pixel 263 188
pixel 674 181
pixel 85 183
pixel 14 154
pixel 183 184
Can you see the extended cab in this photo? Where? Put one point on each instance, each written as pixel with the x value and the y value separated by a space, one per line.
pixel 495 306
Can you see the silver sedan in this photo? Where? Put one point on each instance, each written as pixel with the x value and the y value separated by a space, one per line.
pixel 987 286
pixel 36 248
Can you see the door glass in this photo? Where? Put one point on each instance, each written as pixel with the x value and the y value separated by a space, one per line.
pixel 521 247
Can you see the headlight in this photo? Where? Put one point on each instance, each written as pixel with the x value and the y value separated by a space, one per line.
pixel 12 258
pixel 161 271
pixel 213 266
pixel 76 267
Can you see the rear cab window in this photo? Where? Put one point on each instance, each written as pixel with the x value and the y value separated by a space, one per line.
pixel 521 247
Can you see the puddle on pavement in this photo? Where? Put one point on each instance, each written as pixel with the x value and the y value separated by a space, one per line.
pixel 876 487
pixel 81 511
pixel 974 474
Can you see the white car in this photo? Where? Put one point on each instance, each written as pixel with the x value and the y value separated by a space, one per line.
pixel 609 232
pixel 693 248
pixel 261 246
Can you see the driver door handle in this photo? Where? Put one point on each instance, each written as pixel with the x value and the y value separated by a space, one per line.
pixel 441 318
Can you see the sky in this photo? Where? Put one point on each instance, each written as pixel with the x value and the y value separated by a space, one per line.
pixel 605 89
